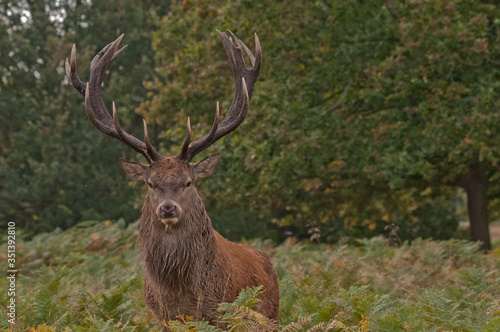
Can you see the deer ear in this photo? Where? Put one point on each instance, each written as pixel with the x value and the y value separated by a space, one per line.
pixel 134 170
pixel 206 166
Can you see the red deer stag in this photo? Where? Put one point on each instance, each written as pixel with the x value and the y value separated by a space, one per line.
pixel 189 268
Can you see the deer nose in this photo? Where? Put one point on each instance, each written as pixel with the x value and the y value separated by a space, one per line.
pixel 168 211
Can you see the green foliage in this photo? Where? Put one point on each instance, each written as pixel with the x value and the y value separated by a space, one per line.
pixel 239 315
pixel 247 298
pixel 434 118
pixel 91 282
pixel 86 278
pixel 56 169
pixel 333 140
pixel 387 287
pixel 114 303
pixel 46 302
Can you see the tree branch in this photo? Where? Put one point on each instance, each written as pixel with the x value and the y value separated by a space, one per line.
pixel 342 97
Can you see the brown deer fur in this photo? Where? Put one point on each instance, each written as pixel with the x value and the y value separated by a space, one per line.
pixel 189 268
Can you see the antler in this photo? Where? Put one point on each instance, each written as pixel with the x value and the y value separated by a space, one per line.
pixel 97 113
pixel 94 105
pixel 244 79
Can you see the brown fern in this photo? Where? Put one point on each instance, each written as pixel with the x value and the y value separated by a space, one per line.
pixel 246 319
pixel 299 325
pixel 318 327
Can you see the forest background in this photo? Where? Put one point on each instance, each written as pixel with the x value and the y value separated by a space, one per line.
pixel 368 116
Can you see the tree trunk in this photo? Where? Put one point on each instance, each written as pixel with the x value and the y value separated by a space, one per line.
pixel 476 187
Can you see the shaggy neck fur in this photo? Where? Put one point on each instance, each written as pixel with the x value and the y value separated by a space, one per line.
pixel 175 260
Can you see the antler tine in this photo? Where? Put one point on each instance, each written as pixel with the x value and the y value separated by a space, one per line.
pixel 184 155
pixel 72 74
pixel 125 137
pixel 258 53
pixel 100 55
pixel 150 150
pixel 117 53
pixel 248 52
pixel 245 79
pixel 71 71
pixel 94 105
pixel 190 150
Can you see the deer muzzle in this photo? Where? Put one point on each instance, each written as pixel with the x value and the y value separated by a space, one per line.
pixel 169 213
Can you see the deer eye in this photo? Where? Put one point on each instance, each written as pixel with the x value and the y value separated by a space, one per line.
pixel 150 184
pixel 188 184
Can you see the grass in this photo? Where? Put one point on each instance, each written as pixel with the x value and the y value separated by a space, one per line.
pixel 88 278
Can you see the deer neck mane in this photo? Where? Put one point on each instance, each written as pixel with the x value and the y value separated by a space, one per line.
pixel 176 259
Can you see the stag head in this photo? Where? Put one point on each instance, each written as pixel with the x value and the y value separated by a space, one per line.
pixel 171 189
pixel 170 179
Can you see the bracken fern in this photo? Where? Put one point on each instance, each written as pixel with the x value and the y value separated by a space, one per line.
pixel 88 278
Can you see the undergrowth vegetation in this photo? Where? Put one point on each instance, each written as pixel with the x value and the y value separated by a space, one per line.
pixel 89 278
